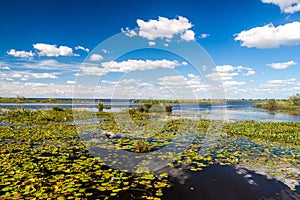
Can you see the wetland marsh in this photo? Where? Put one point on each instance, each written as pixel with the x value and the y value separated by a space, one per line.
pixel 45 155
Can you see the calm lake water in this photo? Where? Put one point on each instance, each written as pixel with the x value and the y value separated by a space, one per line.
pixel 231 111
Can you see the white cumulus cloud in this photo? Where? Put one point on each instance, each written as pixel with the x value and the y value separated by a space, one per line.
pixel 224 68
pixel 53 51
pixel 20 54
pixel 104 51
pixel 92 70
pixel 227 72
pixel 204 35
pixel 43 75
pixel 4 67
pixel 282 65
pixel 188 35
pixel 249 73
pixel 26 75
pixel 130 65
pixel 151 43
pixel 233 83
pixel 82 48
pixel 49 64
pixel 164 28
pixel 280 82
pixel 128 32
pixel 71 82
pixel 269 36
pixel 34 89
pixel 173 81
pixel 286 6
pixel 96 57
pixel 133 65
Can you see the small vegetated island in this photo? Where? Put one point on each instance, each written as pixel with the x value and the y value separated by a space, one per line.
pixel 291 105
pixel 43 157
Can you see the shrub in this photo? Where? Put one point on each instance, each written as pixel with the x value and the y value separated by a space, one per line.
pixel 144 107
pixel 169 108
pixel 107 107
pixel 51 100
pixel 20 99
pixel 295 100
pixel 57 108
pixel 272 105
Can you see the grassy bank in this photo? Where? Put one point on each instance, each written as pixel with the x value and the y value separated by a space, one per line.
pixel 291 105
pixel 21 99
pixel 202 101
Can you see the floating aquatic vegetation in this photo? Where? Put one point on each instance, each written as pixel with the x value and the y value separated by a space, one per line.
pixel 51 161
pixel 288 132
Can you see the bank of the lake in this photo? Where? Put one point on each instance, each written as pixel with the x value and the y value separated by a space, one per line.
pixel 290 106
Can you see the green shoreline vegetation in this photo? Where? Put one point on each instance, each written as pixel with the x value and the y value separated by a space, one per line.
pixel 200 101
pixel 43 158
pixel 21 99
pixel 290 106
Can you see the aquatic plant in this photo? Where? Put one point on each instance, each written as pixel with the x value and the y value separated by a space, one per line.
pixel 142 146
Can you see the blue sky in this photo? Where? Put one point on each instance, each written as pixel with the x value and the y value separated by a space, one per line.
pixel 49 47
